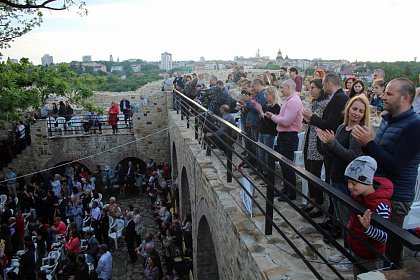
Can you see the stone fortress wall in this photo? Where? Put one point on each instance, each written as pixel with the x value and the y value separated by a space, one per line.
pixel 146 141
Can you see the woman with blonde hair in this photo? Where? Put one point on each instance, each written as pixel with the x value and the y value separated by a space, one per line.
pixel 268 130
pixel 343 148
pixel 307 83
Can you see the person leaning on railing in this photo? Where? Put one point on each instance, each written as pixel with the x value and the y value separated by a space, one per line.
pixel 374 193
pixel 396 149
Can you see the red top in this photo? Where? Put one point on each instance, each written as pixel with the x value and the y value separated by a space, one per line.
pixel 73 245
pixel 20 226
pixel 60 227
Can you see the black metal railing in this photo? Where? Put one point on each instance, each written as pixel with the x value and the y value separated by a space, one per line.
pixel 203 121
pixel 88 124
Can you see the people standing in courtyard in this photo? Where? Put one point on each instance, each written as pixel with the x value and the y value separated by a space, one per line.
pixel 109 179
pixel 10 178
pixel 130 238
pixel 104 269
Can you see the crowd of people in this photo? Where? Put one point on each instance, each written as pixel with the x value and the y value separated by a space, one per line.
pixel 337 133
pixel 67 213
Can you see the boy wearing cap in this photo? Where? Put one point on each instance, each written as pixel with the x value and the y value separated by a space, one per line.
pixel 373 193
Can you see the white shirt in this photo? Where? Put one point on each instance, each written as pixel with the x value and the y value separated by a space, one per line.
pixel 95 214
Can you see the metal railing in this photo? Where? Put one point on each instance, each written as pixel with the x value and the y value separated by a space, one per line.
pixel 88 124
pixel 202 120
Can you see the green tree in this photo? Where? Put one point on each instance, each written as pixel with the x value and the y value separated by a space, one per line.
pixel 23 85
pixel 272 66
pixel 407 69
pixel 18 17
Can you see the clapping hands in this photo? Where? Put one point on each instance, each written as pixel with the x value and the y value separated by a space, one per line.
pixel 326 136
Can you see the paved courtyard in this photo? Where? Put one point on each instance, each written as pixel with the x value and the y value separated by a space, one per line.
pixel 122 269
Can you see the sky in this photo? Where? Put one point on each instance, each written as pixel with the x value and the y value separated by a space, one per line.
pixel 362 30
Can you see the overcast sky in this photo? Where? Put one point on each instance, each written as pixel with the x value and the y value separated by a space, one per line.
pixel 374 30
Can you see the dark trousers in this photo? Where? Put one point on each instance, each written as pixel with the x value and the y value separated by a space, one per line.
pixel 131 248
pixel 394 248
pixel 315 167
pixel 287 144
pixel 126 113
pixel 97 231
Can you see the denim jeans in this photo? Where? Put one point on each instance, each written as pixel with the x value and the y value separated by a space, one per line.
pixel 287 144
pixel 253 134
pixel 267 140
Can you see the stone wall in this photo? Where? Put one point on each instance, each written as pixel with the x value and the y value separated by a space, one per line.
pixel 211 199
pixel 148 140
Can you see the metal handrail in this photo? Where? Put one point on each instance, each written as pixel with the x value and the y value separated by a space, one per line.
pixel 86 123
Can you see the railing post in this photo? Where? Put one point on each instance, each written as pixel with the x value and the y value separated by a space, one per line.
pixel 270 195
pixel 187 111
pixel 175 102
pixel 229 145
pixel 182 109
pixel 196 126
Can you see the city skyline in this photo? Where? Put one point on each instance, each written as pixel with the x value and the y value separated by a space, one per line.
pixel 126 29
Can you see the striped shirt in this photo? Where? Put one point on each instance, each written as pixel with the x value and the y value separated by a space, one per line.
pixel 384 211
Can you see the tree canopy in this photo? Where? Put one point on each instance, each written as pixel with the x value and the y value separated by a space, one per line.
pixel 18 17
pixel 23 85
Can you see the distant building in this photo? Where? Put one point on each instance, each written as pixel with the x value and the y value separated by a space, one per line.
pixel 166 61
pixel 86 58
pixel 201 58
pixel 136 68
pixel 96 66
pixel 117 68
pixel 111 59
pixel 47 60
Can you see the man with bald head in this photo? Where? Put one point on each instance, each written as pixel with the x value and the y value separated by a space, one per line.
pixel 396 149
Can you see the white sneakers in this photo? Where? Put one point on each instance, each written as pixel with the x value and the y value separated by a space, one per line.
pixel 343 264
pixel 336 258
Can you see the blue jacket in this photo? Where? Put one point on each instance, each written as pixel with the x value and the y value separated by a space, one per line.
pixel 396 148
pixel 253 116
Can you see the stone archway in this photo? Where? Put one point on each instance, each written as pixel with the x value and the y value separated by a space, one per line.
pixel 69 157
pixel 128 154
pixel 185 193
pixel 206 256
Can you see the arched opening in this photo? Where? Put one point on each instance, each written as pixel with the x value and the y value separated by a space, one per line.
pixel 206 256
pixel 185 194
pixel 134 161
pixel 174 174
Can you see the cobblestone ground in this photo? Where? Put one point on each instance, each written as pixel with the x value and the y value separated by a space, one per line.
pixel 122 269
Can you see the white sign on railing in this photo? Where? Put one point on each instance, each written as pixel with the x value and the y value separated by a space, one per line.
pixel 247 199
